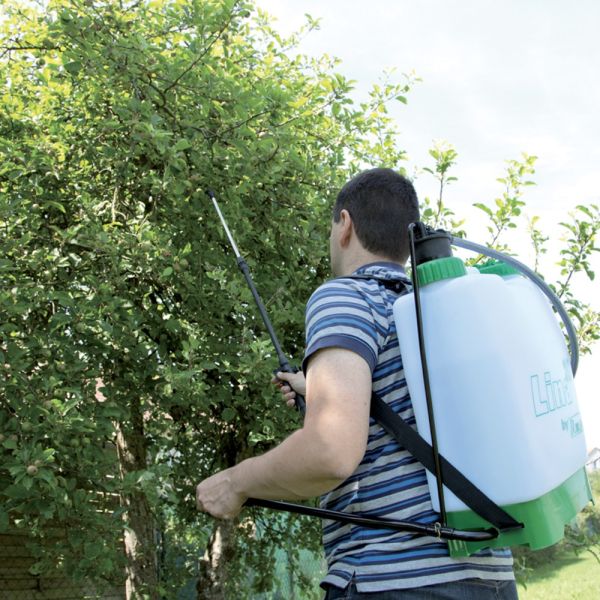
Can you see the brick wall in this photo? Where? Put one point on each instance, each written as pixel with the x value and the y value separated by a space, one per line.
pixel 17 583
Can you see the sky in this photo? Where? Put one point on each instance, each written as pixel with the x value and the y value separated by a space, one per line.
pixel 498 79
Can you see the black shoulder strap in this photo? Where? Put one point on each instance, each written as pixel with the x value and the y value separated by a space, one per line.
pixel 408 438
pixel 453 479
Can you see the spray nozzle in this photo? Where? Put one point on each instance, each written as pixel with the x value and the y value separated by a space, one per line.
pixel 430 243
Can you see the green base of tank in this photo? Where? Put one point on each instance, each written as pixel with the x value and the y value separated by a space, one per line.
pixel 544 518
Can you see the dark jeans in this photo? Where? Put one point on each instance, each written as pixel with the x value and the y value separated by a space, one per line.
pixel 467 589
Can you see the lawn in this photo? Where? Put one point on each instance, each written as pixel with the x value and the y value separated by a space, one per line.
pixel 566 578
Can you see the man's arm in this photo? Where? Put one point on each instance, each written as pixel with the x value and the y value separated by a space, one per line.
pixel 314 459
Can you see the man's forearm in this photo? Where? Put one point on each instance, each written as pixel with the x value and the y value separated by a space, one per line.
pixel 301 467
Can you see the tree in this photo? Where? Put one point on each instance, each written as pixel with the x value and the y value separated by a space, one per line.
pixel 134 362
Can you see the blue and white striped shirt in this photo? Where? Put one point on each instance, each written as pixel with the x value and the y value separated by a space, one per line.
pixel 356 314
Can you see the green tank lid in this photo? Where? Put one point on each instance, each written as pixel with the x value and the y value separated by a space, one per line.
pixel 439 269
pixel 497 267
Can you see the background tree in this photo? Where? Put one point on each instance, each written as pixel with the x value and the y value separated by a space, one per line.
pixel 506 214
pixel 124 324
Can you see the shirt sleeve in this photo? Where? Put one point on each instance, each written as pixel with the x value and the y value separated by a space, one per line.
pixel 338 315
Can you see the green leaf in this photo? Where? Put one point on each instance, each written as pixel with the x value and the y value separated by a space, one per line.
pixel 484 208
pixel 16 492
pixel 228 414
pixel 182 144
pixel 10 444
pixel 56 205
pixel 73 67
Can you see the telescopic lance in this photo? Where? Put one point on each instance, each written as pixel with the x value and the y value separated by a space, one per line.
pixel 434 529
pixel 284 364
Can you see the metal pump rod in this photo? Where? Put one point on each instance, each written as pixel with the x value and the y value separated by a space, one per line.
pixel 284 364
pixel 430 413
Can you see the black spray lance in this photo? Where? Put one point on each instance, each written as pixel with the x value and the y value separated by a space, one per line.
pixel 284 364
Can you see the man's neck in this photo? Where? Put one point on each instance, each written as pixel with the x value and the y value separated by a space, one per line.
pixel 365 259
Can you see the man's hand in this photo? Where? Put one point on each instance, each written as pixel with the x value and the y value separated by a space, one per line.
pixel 289 384
pixel 217 496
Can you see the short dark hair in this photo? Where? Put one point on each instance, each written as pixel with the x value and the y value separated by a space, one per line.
pixel 382 204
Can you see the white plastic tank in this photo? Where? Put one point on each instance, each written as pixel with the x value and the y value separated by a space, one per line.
pixel 503 394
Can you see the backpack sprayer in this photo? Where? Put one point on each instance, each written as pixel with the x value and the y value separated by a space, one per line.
pixel 484 352
pixel 453 308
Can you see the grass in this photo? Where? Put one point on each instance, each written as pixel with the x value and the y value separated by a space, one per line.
pixel 566 578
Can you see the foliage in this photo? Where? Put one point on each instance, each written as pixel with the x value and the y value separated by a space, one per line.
pixel 439 215
pixel 582 233
pixel 121 308
pixel 509 205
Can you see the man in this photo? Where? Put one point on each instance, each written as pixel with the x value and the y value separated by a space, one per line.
pixel 352 349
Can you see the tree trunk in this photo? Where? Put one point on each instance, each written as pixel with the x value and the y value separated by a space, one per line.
pixel 214 566
pixel 139 538
pixel 291 570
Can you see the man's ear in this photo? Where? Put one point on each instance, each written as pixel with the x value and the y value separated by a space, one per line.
pixel 347 228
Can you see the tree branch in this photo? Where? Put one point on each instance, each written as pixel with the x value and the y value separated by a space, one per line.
pixel 15 48
pixel 204 53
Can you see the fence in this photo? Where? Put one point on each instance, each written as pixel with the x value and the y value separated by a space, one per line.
pixel 17 582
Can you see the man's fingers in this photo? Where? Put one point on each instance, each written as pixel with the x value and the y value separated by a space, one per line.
pixel 286 382
pixel 286 391
pixel 282 376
